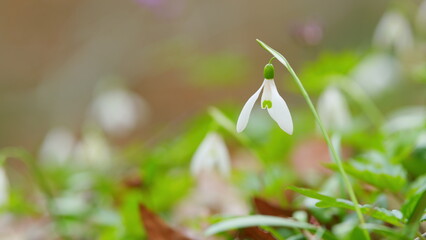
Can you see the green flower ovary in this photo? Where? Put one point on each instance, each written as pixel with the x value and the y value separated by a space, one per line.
pixel 266 104
pixel 269 71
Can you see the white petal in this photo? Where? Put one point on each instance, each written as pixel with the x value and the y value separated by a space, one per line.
pixel 333 110
pixel 279 110
pixel 266 94
pixel 223 159
pixel 245 113
pixel 201 155
pixel 4 187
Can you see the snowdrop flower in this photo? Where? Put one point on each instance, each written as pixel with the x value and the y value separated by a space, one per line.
pixel 333 110
pixel 93 149
pixel 405 119
pixel 377 73
pixel 394 31
pixel 421 17
pixel 211 153
pixel 271 100
pixel 57 145
pixel 4 187
pixel 118 110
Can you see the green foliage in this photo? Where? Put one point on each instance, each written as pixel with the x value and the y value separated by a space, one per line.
pixel 327 202
pixel 257 220
pixel 329 68
pixel 375 169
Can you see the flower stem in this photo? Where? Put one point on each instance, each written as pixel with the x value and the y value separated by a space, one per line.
pixel 364 101
pixel 39 178
pixel 336 156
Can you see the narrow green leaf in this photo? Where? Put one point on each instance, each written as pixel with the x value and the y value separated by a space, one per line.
pixel 392 217
pixel 256 220
pixel 410 204
pixel 383 230
pixel 275 53
pixel 417 214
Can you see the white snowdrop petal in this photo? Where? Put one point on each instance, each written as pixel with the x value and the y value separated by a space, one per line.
pixel 4 187
pixel 266 94
pixel 333 110
pixel 223 158
pixel 279 110
pixel 245 113
pixel 201 155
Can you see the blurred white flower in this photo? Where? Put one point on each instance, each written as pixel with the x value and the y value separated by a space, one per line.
pixel 57 145
pixel 406 118
pixel 421 17
pixel 93 149
pixel 4 187
pixel 271 99
pixel 333 110
pixel 73 204
pixel 118 111
pixel 377 73
pixel 212 153
pixel 393 31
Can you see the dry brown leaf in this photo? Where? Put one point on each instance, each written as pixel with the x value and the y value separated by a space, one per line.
pixel 255 233
pixel 156 228
pixel 266 208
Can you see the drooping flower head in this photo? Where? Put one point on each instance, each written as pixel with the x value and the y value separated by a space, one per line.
pixel 211 155
pixel 270 100
pixel 333 110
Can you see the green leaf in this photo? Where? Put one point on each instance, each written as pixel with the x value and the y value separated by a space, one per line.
pixel 376 170
pixel 385 215
pixel 276 54
pixel 414 210
pixel 388 232
pixel 257 220
pixel 408 207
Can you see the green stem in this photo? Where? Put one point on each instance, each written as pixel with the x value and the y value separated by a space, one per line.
pixel 339 162
pixel 39 178
pixel 414 220
pixel 364 101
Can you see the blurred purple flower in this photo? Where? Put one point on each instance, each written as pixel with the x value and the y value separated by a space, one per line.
pixel 309 33
pixel 164 8
pixel 150 3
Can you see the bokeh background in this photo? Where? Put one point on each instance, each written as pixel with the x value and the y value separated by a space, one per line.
pixel 111 98
pixel 177 56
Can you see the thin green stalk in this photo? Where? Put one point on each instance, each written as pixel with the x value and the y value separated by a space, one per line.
pixel 39 178
pixel 364 101
pixel 305 94
pixel 413 221
pixel 227 124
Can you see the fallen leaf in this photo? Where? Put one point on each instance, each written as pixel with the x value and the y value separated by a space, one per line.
pixel 255 233
pixel 266 208
pixel 156 228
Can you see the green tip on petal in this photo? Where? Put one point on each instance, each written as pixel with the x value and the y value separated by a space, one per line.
pixel 266 104
pixel 269 71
